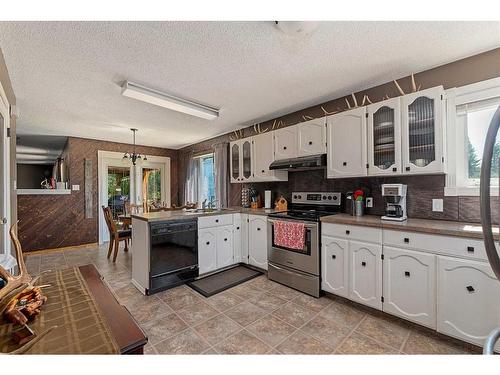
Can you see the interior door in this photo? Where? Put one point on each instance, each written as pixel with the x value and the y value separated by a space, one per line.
pixel 150 184
pixel 347 144
pixel 4 178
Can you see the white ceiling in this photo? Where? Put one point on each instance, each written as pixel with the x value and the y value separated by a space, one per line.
pixel 66 76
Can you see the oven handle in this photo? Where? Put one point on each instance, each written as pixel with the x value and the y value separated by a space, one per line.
pixel 310 226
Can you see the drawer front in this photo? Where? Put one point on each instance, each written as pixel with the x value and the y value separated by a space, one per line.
pixel 468 295
pixel 354 232
pixel 445 245
pixel 215 221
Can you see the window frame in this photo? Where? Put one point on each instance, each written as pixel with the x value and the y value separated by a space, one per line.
pixel 457 183
pixel 200 177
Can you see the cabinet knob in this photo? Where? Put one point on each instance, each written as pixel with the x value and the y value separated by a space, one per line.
pixel 334 256
pixel 406 240
pixel 208 242
pixel 347 231
pixel 470 249
pixel 344 163
pixel 225 239
pixel 394 169
pixel 407 168
pixel 258 228
pixel 263 171
pixel 216 220
pixel 407 273
pixel 310 143
pixel 470 289
pixel 284 147
pixel 363 264
pixel 237 228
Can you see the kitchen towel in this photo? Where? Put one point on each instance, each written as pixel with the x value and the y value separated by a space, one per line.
pixel 290 235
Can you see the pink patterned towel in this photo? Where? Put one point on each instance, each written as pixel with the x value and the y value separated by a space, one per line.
pixel 289 234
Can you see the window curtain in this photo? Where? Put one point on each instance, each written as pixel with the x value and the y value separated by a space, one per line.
pixel 192 179
pixel 221 173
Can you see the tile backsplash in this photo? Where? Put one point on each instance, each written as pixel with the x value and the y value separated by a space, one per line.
pixel 421 191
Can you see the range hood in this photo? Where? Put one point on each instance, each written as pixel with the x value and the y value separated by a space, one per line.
pixel 300 164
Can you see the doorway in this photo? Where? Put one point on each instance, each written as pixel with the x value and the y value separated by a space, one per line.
pixel 5 253
pixel 120 183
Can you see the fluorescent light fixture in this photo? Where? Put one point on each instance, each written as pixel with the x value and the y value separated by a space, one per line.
pixel 135 91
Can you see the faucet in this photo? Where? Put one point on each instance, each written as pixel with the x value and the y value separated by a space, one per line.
pixel 204 204
pixel 211 204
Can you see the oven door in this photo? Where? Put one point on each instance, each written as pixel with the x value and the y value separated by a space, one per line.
pixel 305 260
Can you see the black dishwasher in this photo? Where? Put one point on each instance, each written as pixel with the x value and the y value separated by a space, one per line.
pixel 173 254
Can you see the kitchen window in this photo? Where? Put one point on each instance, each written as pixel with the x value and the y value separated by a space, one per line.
pixel 206 189
pixel 470 110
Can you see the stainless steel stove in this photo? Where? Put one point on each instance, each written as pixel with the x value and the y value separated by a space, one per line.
pixel 300 268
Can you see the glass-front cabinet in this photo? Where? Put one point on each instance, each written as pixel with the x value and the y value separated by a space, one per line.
pixel 384 137
pixel 241 160
pixel 422 128
pixel 235 158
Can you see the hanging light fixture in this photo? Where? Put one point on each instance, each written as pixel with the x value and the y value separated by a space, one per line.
pixel 133 156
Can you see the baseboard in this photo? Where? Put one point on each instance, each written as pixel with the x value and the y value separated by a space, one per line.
pixel 55 249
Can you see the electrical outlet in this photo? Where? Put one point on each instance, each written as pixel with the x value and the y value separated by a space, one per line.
pixel 437 205
pixel 369 202
pixel 75 187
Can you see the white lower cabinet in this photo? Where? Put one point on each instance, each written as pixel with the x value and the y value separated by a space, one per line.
pixel 207 250
pixel 410 285
pixel 257 241
pixel 237 237
pixel 215 248
pixel 365 273
pixel 225 249
pixel 468 299
pixel 335 266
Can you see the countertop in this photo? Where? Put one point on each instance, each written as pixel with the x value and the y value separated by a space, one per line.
pixel 180 215
pixel 451 228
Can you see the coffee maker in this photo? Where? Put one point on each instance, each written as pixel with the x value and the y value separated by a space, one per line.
pixel 395 202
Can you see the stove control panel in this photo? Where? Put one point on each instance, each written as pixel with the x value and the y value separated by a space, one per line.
pixel 320 198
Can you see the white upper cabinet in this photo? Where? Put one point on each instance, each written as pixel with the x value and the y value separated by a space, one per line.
pixel 423 131
pixel 263 152
pixel 235 161
pixel 311 137
pixel 384 137
pixel 346 138
pixel 285 143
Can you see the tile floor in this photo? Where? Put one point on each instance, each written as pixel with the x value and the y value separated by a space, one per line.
pixel 257 317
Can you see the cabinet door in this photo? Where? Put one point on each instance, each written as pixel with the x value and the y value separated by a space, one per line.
pixel 347 144
pixel 237 237
pixel 225 249
pixel 257 241
pixel 285 143
pixel 244 238
pixel 365 276
pixel 410 285
pixel 312 137
pixel 422 127
pixel 468 299
pixel 335 266
pixel 207 250
pixel 384 137
pixel 235 161
pixel 246 159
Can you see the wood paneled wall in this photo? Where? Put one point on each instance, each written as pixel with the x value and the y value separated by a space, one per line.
pixel 58 221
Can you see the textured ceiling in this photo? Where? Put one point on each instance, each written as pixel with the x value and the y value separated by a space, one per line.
pixel 66 76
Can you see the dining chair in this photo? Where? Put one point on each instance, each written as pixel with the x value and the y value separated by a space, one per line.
pixel 115 235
